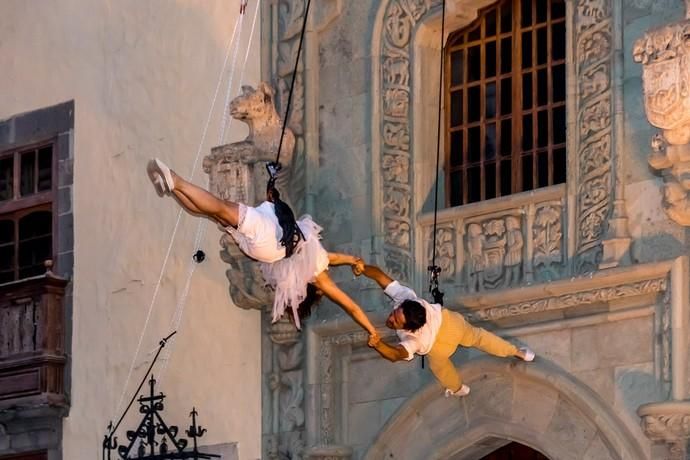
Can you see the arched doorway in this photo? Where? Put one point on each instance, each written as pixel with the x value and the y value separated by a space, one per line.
pixel 537 405
pixel 514 451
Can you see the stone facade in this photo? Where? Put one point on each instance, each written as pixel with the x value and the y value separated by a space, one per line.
pixel 580 272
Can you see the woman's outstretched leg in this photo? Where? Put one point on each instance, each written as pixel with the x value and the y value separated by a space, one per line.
pixel 325 284
pixel 195 199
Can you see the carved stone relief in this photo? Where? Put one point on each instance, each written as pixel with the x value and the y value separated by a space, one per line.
pixel 236 171
pixel 501 249
pixel 399 21
pixel 667 422
pixel 547 232
pixel 665 57
pixel 594 53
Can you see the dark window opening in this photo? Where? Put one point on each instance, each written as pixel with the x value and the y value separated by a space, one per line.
pixel 506 130
pixel 27 179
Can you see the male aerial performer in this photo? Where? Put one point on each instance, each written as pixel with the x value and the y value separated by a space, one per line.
pixel 430 329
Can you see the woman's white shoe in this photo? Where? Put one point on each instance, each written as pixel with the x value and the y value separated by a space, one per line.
pixel 160 175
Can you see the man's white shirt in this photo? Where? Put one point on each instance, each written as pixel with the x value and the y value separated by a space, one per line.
pixel 421 340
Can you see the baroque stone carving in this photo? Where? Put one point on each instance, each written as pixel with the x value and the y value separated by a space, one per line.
pixel 665 56
pixel 594 51
pixel 495 253
pixel 236 172
pixel 548 242
pixel 569 300
pixel 399 21
pixel 667 422
pixel 445 250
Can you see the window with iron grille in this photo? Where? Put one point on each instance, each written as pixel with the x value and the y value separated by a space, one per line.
pixel 505 95
pixel 27 182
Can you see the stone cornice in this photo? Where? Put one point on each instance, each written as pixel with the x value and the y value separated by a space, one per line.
pixel 601 286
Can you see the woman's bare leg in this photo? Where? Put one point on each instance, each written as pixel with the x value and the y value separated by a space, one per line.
pixel 197 200
pixel 325 284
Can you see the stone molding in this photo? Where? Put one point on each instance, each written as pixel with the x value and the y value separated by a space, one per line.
pixel 604 294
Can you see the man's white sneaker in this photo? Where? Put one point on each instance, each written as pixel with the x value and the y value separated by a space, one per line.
pixel 528 354
pixel 160 175
pixel 463 391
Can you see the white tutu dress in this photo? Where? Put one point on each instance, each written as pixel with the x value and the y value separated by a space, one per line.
pixel 258 236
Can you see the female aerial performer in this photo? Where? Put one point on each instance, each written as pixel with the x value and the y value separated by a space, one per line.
pixel 291 257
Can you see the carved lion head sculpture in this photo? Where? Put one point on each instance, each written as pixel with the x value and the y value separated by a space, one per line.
pixel 255 105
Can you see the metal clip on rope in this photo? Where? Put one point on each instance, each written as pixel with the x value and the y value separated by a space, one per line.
pixel 434 271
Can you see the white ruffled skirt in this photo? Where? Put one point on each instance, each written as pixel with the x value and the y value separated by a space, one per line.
pixel 289 277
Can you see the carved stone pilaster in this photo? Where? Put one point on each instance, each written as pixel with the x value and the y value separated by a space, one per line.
pixel 665 56
pixel 667 422
pixel 399 23
pixel 594 50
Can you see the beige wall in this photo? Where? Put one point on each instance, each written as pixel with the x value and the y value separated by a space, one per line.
pixel 142 75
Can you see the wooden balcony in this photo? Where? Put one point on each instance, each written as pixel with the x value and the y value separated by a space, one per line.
pixel 32 338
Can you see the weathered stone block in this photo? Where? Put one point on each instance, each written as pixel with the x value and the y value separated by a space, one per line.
pixel 635 385
pixel 534 406
pixel 599 380
pixel 597 450
pixel 572 430
pixel 366 384
pixel 364 422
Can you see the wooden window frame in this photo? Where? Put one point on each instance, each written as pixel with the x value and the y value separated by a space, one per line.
pixel 17 207
pixel 462 40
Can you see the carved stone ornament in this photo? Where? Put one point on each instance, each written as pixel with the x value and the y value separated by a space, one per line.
pixel 667 422
pixel 665 56
pixel 237 173
pixel 569 300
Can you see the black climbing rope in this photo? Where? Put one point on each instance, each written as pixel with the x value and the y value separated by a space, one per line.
pixel 275 166
pixel 435 270
pixel 286 218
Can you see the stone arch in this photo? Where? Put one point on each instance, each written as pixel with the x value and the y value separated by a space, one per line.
pixel 535 404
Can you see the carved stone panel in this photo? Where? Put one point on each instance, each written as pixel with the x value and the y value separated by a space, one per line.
pixel 500 246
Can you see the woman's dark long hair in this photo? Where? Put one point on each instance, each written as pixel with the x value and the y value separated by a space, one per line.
pixel 286 219
pixel 311 300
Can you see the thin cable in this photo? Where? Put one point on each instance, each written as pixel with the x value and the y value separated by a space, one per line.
pixel 224 122
pixel 203 223
pixel 175 228
pixel 292 85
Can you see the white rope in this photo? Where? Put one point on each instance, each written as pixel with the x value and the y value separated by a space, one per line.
pixel 224 123
pixel 203 223
pixel 175 228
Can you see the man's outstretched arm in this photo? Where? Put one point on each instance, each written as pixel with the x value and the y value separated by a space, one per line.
pixel 391 353
pixel 373 272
